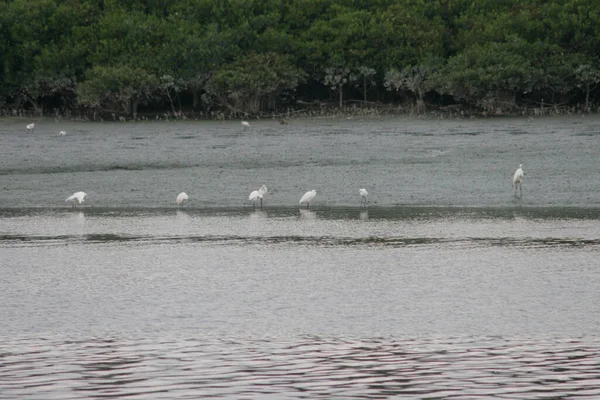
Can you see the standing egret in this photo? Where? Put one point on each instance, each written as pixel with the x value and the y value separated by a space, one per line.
pixel 517 179
pixel 76 198
pixel 62 133
pixel 307 198
pixel 258 194
pixel 363 196
pixel 181 198
pixel 246 123
pixel 31 127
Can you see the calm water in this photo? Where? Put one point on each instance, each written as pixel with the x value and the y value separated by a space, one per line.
pixel 446 286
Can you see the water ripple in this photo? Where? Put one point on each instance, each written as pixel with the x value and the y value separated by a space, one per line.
pixel 68 169
pixel 319 241
pixel 309 367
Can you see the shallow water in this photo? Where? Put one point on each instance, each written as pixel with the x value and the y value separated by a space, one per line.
pixel 398 161
pixel 445 286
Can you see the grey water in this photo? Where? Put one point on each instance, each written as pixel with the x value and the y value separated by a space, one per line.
pixel 446 285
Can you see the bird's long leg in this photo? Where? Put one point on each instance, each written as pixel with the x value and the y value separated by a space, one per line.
pixel 308 205
pixel 261 203
pixel 254 204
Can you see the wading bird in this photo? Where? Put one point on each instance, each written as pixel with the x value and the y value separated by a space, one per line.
pixel 518 179
pixel 181 198
pixel 307 198
pixel 31 127
pixel 245 123
pixel 76 198
pixel 258 194
pixel 62 133
pixel 363 196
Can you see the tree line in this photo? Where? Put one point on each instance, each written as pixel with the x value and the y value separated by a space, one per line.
pixel 262 56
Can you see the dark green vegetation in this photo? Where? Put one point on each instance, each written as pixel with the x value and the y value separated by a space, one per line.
pixel 219 58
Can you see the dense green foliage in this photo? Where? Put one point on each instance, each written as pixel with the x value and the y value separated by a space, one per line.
pixel 257 56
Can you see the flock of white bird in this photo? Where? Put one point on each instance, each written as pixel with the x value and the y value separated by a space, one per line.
pixel 257 195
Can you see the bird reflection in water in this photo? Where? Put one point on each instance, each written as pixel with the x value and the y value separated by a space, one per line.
pixel 183 216
pixel 258 215
pixel 364 215
pixel 308 214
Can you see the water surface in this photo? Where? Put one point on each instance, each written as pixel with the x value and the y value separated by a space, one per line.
pixel 445 286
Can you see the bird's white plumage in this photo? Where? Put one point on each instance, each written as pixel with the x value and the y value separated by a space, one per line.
pixel 245 123
pixel 31 126
pixel 77 197
pixel 517 179
pixel 181 198
pixel 363 196
pixel 258 195
pixel 62 133
pixel 518 176
pixel 308 196
pixel 255 195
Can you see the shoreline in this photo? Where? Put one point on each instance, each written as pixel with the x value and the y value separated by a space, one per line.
pixel 284 118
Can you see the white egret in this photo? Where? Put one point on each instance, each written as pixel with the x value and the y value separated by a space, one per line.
pixel 246 123
pixel 76 198
pixel 307 198
pixel 258 194
pixel 181 198
pixel 363 196
pixel 31 127
pixel 518 179
pixel 62 133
